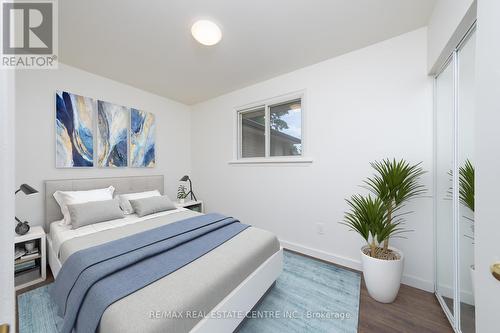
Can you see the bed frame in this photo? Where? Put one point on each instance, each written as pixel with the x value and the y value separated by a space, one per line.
pixel 242 299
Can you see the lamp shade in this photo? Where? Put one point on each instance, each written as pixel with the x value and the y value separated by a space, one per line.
pixel 185 178
pixel 27 189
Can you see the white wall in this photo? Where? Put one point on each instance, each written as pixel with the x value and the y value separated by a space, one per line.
pixel 366 105
pixel 7 303
pixel 35 137
pixel 487 146
pixel 448 23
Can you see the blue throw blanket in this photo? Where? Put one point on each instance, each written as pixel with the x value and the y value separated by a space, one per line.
pixel 93 279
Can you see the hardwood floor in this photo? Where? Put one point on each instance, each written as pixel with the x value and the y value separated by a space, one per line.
pixel 414 311
pixel 467 315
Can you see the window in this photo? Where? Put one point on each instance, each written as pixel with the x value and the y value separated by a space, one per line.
pixel 286 129
pixel 271 129
pixel 253 137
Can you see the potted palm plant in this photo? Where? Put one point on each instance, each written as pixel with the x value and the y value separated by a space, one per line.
pixel 466 195
pixel 379 219
pixel 466 198
pixel 382 270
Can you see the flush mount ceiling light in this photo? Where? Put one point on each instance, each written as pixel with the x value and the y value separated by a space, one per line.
pixel 206 32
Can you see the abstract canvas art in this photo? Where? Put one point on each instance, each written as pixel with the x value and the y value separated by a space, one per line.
pixel 142 139
pixel 74 130
pixel 112 139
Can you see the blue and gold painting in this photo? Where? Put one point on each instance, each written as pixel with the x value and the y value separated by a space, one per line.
pixel 142 139
pixel 74 130
pixel 112 128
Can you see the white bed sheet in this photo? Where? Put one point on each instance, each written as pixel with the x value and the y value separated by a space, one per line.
pixel 61 233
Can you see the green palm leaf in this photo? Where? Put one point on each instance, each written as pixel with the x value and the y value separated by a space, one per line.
pixel 368 217
pixel 395 183
pixel 466 184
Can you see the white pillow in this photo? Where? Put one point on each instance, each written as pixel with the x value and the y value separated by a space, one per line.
pixel 65 198
pixel 125 199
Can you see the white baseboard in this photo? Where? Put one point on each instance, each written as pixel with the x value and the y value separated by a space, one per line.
pixel 323 255
pixel 409 280
pixel 418 283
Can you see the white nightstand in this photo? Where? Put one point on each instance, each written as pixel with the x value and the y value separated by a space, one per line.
pixel 31 268
pixel 197 205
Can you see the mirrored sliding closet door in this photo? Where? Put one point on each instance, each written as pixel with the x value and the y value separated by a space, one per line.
pixel 454 186
pixel 444 187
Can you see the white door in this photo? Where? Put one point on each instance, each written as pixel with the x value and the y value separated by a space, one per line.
pixel 487 150
pixel 7 189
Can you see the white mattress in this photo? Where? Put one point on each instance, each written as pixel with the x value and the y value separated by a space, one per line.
pixel 61 233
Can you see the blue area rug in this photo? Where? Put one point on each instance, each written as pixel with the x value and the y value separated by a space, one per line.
pixel 37 312
pixel 309 296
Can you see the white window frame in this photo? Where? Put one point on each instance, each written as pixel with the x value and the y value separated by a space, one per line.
pixel 266 105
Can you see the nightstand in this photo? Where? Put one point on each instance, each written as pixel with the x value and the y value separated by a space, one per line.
pixel 30 268
pixel 196 206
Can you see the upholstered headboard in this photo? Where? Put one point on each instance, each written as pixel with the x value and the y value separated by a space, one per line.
pixel 122 185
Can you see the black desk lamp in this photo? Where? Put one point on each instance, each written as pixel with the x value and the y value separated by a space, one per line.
pixel 185 179
pixel 22 228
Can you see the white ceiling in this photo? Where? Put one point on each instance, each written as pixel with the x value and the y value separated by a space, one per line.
pixel 147 44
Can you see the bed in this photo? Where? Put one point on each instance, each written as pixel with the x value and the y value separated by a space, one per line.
pixel 210 294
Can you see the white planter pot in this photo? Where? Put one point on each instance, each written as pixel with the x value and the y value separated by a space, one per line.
pixel 382 277
pixel 181 201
